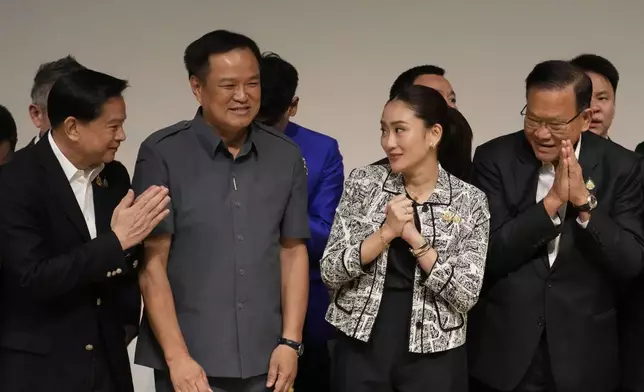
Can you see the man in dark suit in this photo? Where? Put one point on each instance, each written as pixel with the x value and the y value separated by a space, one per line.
pixel 640 148
pixel 69 226
pixel 566 233
pixel 8 135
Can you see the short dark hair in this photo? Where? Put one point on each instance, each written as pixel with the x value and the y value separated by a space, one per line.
pixel 279 81
pixel 82 94
pixel 455 147
pixel 408 77
pixel 47 75
pixel 197 55
pixel 599 65
pixel 558 75
pixel 8 129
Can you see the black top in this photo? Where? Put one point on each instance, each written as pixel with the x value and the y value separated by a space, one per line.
pixel 401 264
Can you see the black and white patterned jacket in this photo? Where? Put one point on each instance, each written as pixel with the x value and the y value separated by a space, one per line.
pixel 455 221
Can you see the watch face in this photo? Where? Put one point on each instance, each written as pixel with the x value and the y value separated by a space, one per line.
pixel 592 201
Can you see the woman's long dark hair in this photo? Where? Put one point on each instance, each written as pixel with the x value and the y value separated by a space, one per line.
pixel 455 147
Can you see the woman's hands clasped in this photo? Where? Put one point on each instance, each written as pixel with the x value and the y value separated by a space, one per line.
pixel 400 212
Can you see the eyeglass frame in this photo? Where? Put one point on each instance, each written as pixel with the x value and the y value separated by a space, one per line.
pixel 549 125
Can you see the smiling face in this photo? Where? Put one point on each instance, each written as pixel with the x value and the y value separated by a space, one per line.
pixel 405 139
pixel 230 96
pixel 551 117
pixel 97 141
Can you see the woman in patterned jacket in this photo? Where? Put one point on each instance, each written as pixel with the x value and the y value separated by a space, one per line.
pixel 406 256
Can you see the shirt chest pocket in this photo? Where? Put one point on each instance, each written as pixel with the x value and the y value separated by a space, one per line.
pixel 271 198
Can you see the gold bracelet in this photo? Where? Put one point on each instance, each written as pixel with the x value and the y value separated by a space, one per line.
pixel 382 237
pixel 422 253
pixel 417 251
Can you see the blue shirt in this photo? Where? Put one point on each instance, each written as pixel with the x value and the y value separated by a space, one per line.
pixel 325 181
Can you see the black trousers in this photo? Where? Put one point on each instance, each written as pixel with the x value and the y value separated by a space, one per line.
pixel 163 383
pixel 384 364
pixel 538 377
pixel 314 369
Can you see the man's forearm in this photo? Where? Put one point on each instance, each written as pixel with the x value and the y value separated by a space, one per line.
pixel 295 291
pixel 159 307
pixel 159 303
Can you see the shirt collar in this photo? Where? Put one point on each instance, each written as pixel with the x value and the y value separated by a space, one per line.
pixel 213 143
pixel 71 172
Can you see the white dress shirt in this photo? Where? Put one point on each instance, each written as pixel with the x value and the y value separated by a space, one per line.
pixel 81 184
pixel 546 180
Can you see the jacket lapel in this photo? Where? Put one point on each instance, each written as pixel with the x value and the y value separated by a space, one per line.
pixel 526 176
pixel 103 203
pixel 524 195
pixel 59 187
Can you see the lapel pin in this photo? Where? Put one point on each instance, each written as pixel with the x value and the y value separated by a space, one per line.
pixel 590 185
pixel 101 182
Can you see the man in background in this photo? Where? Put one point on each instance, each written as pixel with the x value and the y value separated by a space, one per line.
pixel 45 78
pixel 425 75
pixel 8 135
pixel 431 76
pixel 325 172
pixel 605 78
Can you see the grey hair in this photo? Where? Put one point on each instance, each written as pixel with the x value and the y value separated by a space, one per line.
pixel 47 74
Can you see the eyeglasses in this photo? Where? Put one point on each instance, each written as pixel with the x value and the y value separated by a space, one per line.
pixel 532 124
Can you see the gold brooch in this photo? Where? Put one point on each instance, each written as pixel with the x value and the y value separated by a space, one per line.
pixel 101 182
pixel 590 185
pixel 449 216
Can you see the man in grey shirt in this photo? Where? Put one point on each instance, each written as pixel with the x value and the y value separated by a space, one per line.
pixel 225 280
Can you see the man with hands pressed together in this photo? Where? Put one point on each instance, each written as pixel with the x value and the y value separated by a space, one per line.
pixel 566 232
pixel 225 279
pixel 70 227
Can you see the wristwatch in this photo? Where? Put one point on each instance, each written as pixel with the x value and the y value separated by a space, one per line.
pixel 298 347
pixel 591 204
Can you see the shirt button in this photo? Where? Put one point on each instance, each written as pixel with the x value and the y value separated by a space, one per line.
pixel 98 302
pixel 240 306
pixel 240 237
pixel 541 322
pixel 419 324
pixel 241 272
pixel 237 204
pixel 89 347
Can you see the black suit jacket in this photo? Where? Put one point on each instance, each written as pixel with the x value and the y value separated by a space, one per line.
pixel 60 298
pixel 574 300
pixel 631 327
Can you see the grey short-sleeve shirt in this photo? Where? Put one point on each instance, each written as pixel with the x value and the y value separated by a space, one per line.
pixel 227 217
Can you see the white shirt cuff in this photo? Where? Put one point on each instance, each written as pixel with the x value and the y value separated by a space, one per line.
pixel 582 224
pixel 556 220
